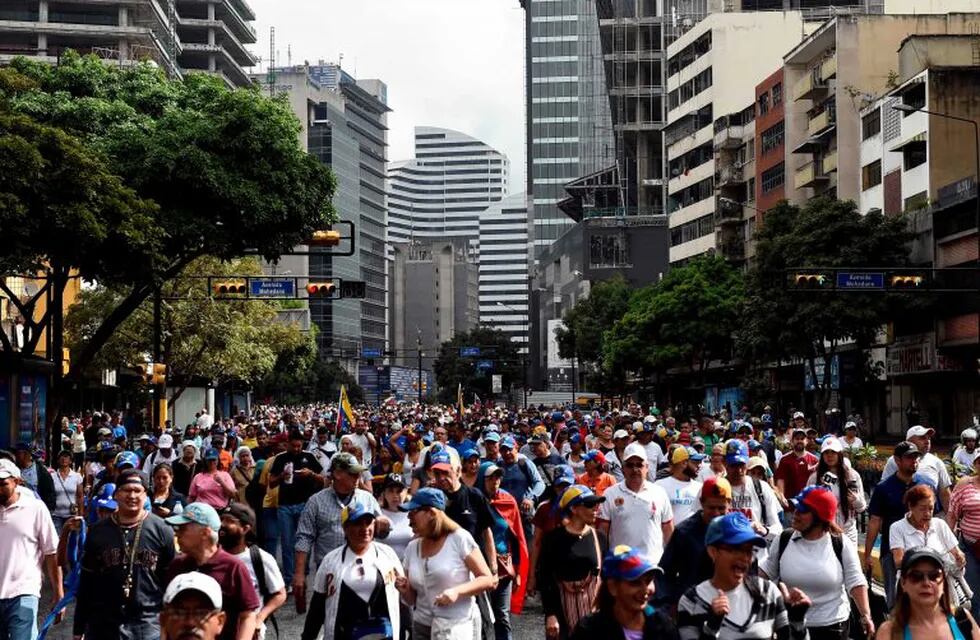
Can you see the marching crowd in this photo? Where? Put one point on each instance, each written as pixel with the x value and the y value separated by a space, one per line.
pixel 415 521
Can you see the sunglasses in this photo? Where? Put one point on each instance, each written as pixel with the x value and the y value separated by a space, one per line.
pixel 916 576
pixel 633 465
pixel 359 565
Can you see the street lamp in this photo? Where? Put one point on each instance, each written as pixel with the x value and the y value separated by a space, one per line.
pixel 527 323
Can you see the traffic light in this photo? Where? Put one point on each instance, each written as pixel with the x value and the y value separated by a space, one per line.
pixel 811 281
pixel 907 280
pixel 65 361
pixel 156 373
pixel 228 287
pixel 328 238
pixel 319 289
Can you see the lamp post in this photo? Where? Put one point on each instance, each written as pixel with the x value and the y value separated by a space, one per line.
pixel 527 323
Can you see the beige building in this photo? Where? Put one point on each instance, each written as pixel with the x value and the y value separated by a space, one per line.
pixel 830 77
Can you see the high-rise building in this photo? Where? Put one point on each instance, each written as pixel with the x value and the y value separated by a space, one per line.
pixel 504 261
pixel 569 128
pixel 442 191
pixel 179 35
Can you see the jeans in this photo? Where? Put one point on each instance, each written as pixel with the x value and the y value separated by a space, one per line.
pixel 18 618
pixel 500 604
pixel 972 575
pixel 288 523
pixel 144 627
pixel 839 631
pixel 270 531
pixel 888 571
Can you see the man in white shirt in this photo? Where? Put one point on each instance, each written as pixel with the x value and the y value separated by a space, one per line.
pixel 636 512
pixel 165 453
pixel 364 440
pixel 322 447
pixel 754 498
pixel 682 488
pixel 930 466
pixel 644 432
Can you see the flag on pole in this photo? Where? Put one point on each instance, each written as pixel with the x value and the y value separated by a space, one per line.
pixel 345 415
pixel 459 400
pixel 477 403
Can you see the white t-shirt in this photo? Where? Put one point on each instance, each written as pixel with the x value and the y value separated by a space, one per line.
pixel 930 467
pixel 361 440
pixel 857 444
pixel 655 457
pixel 431 576
pixel 78 441
pixel 64 492
pixel 812 567
pixel 273 576
pixel 157 457
pixel 401 532
pixel 964 458
pixel 636 519
pixel 939 537
pixel 361 575
pixel 685 497
pixel 706 473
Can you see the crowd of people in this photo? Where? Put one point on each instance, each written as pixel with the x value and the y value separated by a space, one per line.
pixel 434 522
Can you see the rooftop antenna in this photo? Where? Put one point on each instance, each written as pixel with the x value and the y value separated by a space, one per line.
pixel 289 55
pixel 272 61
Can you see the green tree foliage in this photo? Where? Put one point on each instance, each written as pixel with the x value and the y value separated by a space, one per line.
pixel 217 340
pixel 209 171
pixel 585 325
pixel 687 319
pixel 300 376
pixel 451 369
pixel 779 322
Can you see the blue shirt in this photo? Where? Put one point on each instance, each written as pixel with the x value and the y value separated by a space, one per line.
pixel 887 501
pixel 522 480
pixel 118 431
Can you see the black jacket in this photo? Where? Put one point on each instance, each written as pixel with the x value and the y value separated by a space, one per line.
pixel 658 626
pixel 685 562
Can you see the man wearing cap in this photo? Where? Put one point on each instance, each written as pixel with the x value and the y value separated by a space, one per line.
pixel 35 475
pixel 237 522
pixel 491 447
pixel 124 565
pixel 322 447
pixel 165 453
pixel 636 512
pixel 681 485
pixel 521 480
pixel 197 534
pixel 28 542
pixel 795 467
pixel 887 507
pixel 614 459
pixel 685 561
pixel 466 506
pixel 320 531
pixel 733 603
pixel 192 608
pixel 751 496
pixel 546 460
pixel 930 466
pixel 645 431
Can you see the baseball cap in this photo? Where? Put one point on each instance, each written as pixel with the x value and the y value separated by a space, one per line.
pixel 736 452
pixel 490 469
pixel 596 455
pixel 634 450
pixel 507 442
pixel 626 563
pixel 344 461
pixel 194 581
pixel 8 469
pixel 797 430
pixel 241 512
pixel 104 499
pixel 637 426
pixel 563 474
pixel 535 439
pixel 818 500
pixel 211 454
pixel 906 448
pixel 716 487
pixel 394 480
pixel 620 433
pixel 579 494
pixel 850 425
pixel 197 513
pixel 921 553
pixel 734 529
pixel 798 414
pixel 127 458
pixel 353 512
pixel 831 443
pixel 467 452
pixel 166 441
pixel 132 476
pixel 425 497
pixel 743 426
pixel 441 460
pixel 918 431
pixel 754 445
pixel 755 462
pixel 491 436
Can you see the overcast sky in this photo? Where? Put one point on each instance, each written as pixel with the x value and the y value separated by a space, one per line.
pixel 457 64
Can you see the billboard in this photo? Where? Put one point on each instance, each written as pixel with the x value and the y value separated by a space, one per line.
pixel 554 360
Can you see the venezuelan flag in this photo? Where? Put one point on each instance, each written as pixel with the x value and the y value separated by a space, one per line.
pixel 345 415
pixel 459 401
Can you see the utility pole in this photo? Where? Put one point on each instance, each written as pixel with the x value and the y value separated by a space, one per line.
pixel 159 390
pixel 419 344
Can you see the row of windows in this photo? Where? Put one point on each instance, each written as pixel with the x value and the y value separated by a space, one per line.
pixel 773 178
pixel 773 97
pixel 692 230
pixel 693 158
pixel 689 89
pixel 692 194
pixel 686 56
pixel 773 137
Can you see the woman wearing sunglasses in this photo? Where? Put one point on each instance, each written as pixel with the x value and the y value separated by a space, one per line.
pixel 923 606
pixel 814 557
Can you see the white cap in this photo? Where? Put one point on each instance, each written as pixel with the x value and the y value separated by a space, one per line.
pixel 756 461
pixel 850 425
pixel 650 419
pixel 8 469
pixel 166 441
pixel 969 434
pixel 637 425
pixel 635 450
pixel 831 444
pixel 621 433
pixel 918 431
pixel 798 414
pixel 194 581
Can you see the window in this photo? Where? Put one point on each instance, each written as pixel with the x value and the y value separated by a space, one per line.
pixel 764 104
pixel 871 124
pixel 692 230
pixel 777 94
pixel 917 202
pixel 915 97
pixel 773 137
pixel 914 154
pixel 871 175
pixel 609 251
pixel 773 178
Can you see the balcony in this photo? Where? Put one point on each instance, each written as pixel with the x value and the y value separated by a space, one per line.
pixel 829 162
pixel 729 137
pixel 828 69
pixel 730 176
pixel 727 211
pixel 820 122
pixel 732 250
pixel 809 86
pixel 808 176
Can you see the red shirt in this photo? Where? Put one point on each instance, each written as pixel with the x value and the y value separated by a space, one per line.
pixel 794 471
pixel 237 592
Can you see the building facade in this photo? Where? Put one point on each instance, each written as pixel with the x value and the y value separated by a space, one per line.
pixel 505 254
pixel 179 35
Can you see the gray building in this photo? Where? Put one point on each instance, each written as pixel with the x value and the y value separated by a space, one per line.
pixel 179 35
pixel 505 254
pixel 434 286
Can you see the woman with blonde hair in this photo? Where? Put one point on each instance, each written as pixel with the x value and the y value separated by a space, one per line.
pixel 444 570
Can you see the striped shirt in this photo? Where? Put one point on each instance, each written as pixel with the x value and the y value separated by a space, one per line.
pixel 964 509
pixel 319 531
pixel 762 617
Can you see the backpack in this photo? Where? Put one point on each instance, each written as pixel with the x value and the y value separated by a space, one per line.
pixel 836 542
pixel 259 566
pixel 255 490
pixel 762 502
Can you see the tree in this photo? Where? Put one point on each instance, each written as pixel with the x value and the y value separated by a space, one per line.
pixel 218 340
pixel 585 325
pixel 780 323
pixel 208 171
pixel 687 319
pixel 451 369
pixel 300 376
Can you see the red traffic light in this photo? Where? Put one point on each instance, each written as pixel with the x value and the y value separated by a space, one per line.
pixel 320 288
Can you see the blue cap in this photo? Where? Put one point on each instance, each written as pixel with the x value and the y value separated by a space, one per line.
pixel 733 528
pixel 754 444
pixel 491 436
pixel 197 513
pixel 440 459
pixel 426 497
pixel 695 455
pixel 467 452
pixel 508 443
pixel 736 452
pixel 127 458
pixel 355 511
pixel 557 416
pixel 104 500
pixel 563 474
pixel 626 563
pixel 211 454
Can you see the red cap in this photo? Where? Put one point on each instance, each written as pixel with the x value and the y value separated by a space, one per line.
pixel 819 500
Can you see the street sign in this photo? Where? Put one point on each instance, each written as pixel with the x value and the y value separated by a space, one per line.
pixel 353 289
pixel 484 365
pixel 272 287
pixel 497 383
pixel 860 280
pixel 469 352
pixel 370 353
